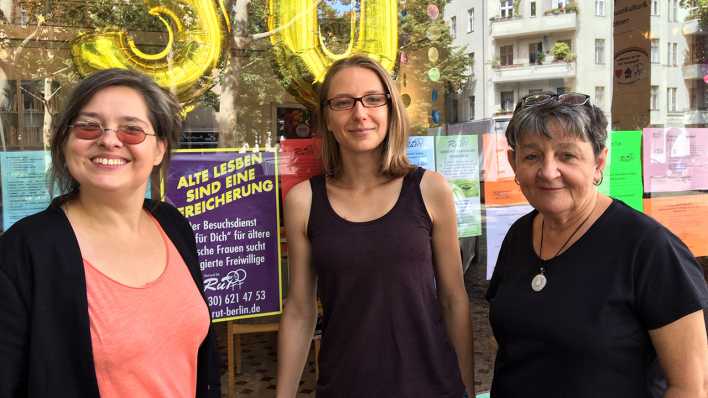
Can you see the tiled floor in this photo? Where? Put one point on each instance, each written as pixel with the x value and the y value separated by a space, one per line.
pixel 257 378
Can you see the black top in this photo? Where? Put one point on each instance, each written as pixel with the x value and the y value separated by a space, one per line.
pixel 45 340
pixel 383 333
pixel 585 334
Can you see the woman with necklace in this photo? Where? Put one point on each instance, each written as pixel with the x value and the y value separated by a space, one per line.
pixel 588 293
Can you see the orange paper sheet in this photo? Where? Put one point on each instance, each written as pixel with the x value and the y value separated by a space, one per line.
pixel 495 165
pixel 685 216
pixel 503 192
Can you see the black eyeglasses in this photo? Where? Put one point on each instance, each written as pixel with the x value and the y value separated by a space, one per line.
pixel 572 99
pixel 368 101
pixel 129 134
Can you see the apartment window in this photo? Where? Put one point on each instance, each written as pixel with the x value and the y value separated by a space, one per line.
pixel 471 63
pixel 453 27
pixel 599 51
pixel 674 54
pixel 600 96
pixel 559 3
pixel 471 107
pixel 673 10
pixel 671 99
pixel 654 51
pixel 655 7
pixel 507 8
pixel 533 8
pixel 536 53
pixel 507 101
pixel 600 8
pixel 506 55
pixel 470 20
pixel 654 98
pixel 668 53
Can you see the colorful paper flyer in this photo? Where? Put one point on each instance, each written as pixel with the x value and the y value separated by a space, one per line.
pixel 299 160
pixel 625 168
pixel 495 161
pixel 24 184
pixel 457 158
pixel 503 192
pixel 685 216
pixel 421 151
pixel 499 220
pixel 231 202
pixel 675 159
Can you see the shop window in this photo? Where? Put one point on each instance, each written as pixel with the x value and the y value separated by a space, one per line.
pixel 599 51
pixel 507 101
pixel 506 55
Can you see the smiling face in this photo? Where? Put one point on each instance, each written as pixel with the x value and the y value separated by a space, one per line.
pixel 556 175
pixel 106 165
pixel 359 129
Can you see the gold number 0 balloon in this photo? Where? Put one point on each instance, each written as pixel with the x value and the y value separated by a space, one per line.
pixel 193 48
pixel 301 55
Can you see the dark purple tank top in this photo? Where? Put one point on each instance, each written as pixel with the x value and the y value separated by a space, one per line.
pixel 382 330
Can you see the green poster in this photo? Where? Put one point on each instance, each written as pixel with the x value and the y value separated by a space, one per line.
pixel 626 168
pixel 457 158
pixel 604 187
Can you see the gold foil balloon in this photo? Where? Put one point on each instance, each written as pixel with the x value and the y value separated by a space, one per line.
pixel 301 55
pixel 195 38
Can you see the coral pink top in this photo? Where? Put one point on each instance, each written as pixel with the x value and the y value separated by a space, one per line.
pixel 145 339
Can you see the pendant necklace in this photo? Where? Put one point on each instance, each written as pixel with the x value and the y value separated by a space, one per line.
pixel 539 281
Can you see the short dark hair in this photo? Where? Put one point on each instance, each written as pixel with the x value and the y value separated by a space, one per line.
pixel 587 122
pixel 395 145
pixel 163 112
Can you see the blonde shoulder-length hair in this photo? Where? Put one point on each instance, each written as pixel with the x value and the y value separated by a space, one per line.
pixel 394 161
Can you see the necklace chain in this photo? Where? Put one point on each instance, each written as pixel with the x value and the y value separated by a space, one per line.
pixel 540 249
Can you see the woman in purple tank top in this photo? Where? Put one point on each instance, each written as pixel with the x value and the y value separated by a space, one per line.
pixel 376 239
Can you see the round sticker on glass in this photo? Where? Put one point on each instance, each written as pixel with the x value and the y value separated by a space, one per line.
pixel 433 54
pixel 433 11
pixel 434 74
pixel 435 116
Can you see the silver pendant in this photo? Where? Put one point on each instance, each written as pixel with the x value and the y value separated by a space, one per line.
pixel 538 282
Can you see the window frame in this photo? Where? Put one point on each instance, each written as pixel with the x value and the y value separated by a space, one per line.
pixel 599 51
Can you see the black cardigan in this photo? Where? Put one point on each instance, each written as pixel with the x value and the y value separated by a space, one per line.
pixel 45 341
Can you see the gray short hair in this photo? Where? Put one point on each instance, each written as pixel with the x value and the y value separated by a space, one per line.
pixel 587 122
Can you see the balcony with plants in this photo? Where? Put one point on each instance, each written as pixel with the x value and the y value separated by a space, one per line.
pixel 564 20
pixel 561 66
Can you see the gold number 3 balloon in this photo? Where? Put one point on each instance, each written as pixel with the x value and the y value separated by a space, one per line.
pixel 301 54
pixel 194 45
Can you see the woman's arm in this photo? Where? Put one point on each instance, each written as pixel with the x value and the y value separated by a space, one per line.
pixel 454 301
pixel 297 324
pixel 682 348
